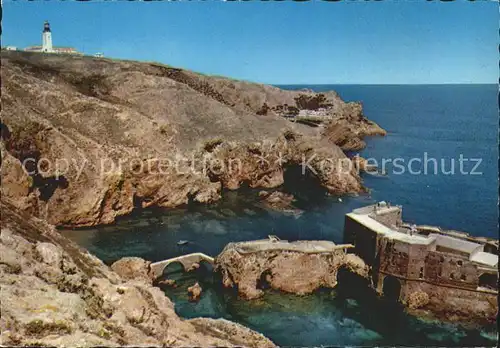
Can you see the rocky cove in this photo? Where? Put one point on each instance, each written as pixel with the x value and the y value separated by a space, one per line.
pixel 350 313
pixel 257 269
pixel 86 112
pixel 120 110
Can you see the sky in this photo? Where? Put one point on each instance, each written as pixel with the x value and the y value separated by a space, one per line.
pixel 316 42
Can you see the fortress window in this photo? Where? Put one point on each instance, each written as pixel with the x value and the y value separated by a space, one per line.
pixel 463 277
pixel 452 276
pixel 441 259
pixel 421 275
pixel 459 262
pixel 488 280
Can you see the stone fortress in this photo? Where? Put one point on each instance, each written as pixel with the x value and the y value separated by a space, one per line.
pixel 445 268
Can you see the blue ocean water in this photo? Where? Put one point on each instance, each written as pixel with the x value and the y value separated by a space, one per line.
pixel 444 121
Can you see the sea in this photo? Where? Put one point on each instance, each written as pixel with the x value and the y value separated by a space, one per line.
pixel 440 162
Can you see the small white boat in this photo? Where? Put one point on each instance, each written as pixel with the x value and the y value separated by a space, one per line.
pixel 182 242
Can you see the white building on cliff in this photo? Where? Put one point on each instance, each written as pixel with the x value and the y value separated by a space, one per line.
pixel 47 46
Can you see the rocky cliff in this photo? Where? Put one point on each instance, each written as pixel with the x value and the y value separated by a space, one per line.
pixel 56 294
pixel 298 267
pixel 99 137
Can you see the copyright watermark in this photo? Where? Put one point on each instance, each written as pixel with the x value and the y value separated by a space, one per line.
pixel 208 165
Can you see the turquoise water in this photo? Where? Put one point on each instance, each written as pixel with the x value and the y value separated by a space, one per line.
pixel 444 121
pixel 338 317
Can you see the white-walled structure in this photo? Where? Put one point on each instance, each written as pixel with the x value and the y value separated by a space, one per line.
pixel 47 38
pixel 47 46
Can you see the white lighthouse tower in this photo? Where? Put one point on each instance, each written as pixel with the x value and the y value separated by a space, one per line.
pixel 47 38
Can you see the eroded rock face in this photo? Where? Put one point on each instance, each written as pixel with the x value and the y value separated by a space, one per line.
pixel 363 165
pixel 128 134
pixel 194 292
pixel 280 201
pixel 417 299
pixel 469 308
pixel 233 332
pixel 350 127
pixel 133 268
pixel 293 267
pixel 56 294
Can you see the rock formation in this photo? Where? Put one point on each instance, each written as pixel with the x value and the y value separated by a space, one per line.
pixel 279 201
pixel 56 294
pixel 194 292
pixel 350 127
pixel 362 165
pixel 100 137
pixel 417 299
pixel 133 268
pixel 168 282
pixel 298 267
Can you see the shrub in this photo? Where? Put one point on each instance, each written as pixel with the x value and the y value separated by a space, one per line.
pixel 264 109
pixel 164 129
pixel 40 328
pixel 211 144
pixel 312 102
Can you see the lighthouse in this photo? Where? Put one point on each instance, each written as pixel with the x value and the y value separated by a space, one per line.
pixel 47 47
pixel 46 38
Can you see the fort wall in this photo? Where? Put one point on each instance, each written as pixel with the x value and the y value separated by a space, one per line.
pixel 363 239
pixel 451 302
pixel 441 273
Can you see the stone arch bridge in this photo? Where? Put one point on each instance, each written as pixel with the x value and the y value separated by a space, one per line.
pixel 188 262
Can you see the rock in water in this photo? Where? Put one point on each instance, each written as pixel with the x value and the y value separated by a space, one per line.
pixel 296 267
pixel 194 292
pixel 194 267
pixel 281 202
pixel 168 282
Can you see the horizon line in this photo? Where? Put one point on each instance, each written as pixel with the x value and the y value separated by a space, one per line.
pixel 382 84
pixel 280 84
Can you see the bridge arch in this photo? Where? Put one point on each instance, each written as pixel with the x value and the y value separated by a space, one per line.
pixel 391 288
pixel 174 267
pixel 189 262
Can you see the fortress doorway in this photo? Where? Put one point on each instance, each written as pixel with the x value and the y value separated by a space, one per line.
pixel 391 288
